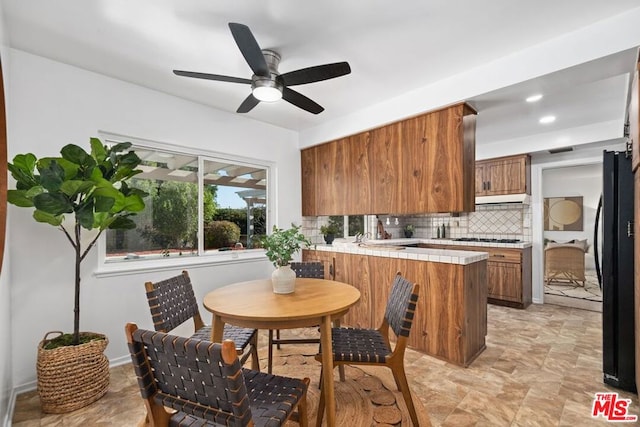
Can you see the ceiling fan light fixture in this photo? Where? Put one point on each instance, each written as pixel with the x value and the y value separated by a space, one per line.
pixel 266 90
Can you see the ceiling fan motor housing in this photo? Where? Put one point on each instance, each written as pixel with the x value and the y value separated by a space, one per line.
pixel 268 88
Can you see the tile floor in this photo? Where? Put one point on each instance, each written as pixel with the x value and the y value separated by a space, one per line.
pixel 542 367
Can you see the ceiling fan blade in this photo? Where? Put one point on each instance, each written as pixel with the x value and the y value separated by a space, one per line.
pixel 250 49
pixel 301 101
pixel 248 104
pixel 315 74
pixel 211 77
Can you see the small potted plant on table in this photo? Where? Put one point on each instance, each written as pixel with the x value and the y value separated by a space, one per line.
pixel 281 245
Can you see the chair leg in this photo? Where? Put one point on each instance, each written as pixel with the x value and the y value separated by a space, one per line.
pixel 278 337
pixel 403 386
pixel 320 405
pixel 270 358
pixel 255 360
pixel 303 414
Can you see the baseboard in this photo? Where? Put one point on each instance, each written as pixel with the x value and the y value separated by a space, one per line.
pixel 33 385
pixel 10 408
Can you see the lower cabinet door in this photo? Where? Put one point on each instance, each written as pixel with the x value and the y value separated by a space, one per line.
pixel 504 281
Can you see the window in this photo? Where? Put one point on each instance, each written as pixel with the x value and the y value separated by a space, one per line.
pixel 352 224
pixel 196 205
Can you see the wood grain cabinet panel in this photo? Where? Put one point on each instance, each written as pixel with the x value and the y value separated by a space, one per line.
pixel 354 269
pixel 419 165
pixel 326 258
pixel 450 159
pixel 451 315
pixel 309 172
pixel 332 180
pixel 357 163
pixel 504 281
pixel 385 154
pixel 508 274
pixel 505 175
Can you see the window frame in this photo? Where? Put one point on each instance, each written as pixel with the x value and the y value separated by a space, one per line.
pixel 107 268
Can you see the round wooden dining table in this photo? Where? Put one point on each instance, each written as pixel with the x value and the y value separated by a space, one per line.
pixel 253 304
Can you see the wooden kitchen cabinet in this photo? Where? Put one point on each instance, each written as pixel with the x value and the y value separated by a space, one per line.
pixel 422 164
pixel 504 175
pixel 385 152
pixel 508 273
pixel 326 258
pixel 309 169
pixel 451 315
pixel 438 161
pixel 358 184
pixel 354 269
pixel 332 180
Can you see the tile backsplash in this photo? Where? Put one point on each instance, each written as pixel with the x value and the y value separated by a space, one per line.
pixel 496 221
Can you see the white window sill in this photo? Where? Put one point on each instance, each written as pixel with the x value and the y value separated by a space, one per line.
pixel 121 268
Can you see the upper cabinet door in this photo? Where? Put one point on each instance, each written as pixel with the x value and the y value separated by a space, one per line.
pixel 358 172
pixel 415 164
pixel 385 154
pixel 505 175
pixel 309 172
pixel 332 180
pixel 449 163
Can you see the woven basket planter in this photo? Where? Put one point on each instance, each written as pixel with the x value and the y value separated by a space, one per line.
pixel 72 377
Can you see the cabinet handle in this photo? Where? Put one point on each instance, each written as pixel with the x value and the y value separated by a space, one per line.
pixel 484 186
pixel 488 185
pixel 498 255
pixel 331 271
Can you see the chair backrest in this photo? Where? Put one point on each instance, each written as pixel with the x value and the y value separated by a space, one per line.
pixel 308 269
pixel 401 306
pixel 193 376
pixel 172 302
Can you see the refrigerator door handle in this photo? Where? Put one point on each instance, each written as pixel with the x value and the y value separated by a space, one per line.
pixel 596 254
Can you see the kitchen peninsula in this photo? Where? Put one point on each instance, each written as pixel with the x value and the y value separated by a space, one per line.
pixel 451 316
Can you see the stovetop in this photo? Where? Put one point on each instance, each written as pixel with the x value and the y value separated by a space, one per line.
pixel 476 239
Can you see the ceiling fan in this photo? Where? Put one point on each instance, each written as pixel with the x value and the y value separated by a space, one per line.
pixel 267 84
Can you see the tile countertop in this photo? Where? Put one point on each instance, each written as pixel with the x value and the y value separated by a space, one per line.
pixel 386 249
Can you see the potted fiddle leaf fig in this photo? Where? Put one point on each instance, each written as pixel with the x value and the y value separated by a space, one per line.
pixel 90 188
pixel 280 247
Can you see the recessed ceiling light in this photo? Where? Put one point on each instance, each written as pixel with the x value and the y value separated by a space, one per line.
pixel 534 98
pixel 547 119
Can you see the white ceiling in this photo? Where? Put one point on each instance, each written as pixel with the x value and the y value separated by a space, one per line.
pixel 392 49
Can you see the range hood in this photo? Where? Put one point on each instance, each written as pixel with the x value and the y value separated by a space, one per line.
pixel 506 198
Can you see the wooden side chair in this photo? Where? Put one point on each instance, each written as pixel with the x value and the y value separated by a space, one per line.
pixel 308 269
pixel 204 384
pixel 355 346
pixel 172 302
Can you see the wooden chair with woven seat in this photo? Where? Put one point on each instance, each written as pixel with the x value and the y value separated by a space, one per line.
pixel 172 302
pixel 203 384
pixel 358 346
pixel 307 269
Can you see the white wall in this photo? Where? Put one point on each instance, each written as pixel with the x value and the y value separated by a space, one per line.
pixel 602 38
pixel 53 104
pixel 585 181
pixel 6 378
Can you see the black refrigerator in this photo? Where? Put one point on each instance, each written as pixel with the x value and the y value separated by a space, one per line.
pixel 618 340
